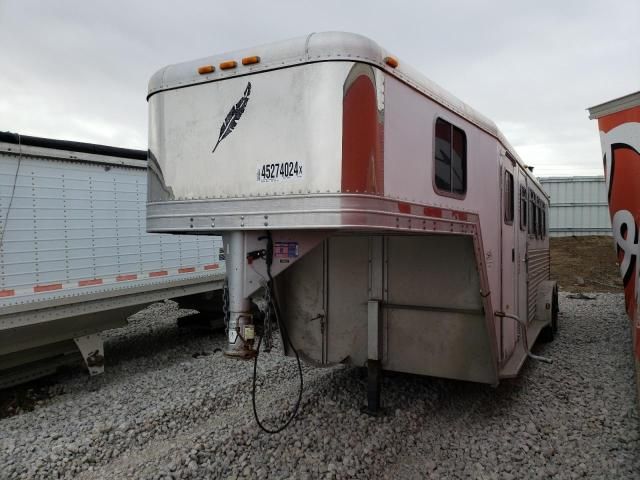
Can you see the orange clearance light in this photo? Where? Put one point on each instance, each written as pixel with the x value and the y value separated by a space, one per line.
pixel 206 69
pixel 251 60
pixel 392 62
pixel 228 64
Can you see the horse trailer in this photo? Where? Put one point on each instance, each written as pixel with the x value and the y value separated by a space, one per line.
pixel 395 225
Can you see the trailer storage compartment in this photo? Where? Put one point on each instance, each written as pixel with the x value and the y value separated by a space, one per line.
pixel 75 258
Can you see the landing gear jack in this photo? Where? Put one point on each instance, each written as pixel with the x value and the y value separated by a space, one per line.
pixel 374 363
pixel 374 387
pixel 240 326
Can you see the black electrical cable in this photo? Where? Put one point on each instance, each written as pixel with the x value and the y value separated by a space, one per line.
pixel 285 340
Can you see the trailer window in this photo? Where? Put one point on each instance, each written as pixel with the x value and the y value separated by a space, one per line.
pixel 532 213
pixel 538 217
pixel 541 215
pixel 450 158
pixel 508 198
pixel 523 208
pixel 537 207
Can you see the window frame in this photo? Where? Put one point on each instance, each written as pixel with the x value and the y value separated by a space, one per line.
pixel 436 188
pixel 508 197
pixel 523 211
pixel 532 213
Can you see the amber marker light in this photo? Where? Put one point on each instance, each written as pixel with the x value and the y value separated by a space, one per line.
pixel 206 69
pixel 228 64
pixel 392 62
pixel 251 60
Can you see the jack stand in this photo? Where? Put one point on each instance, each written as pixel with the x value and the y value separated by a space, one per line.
pixel 374 386
pixel 374 363
pixel 241 331
pixel 92 351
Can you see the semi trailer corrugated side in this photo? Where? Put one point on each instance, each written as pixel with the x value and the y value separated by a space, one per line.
pixel 75 257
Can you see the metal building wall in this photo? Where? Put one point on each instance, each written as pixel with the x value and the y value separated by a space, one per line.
pixel 578 206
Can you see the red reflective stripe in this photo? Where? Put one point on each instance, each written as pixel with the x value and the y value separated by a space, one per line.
pixel 47 288
pixel 160 273
pixel 122 278
pixel 404 207
pixel 186 269
pixel 460 216
pixel 433 212
pixel 7 293
pixel 86 283
pixel 213 266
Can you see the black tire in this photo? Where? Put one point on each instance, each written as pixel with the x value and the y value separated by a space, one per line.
pixel 555 306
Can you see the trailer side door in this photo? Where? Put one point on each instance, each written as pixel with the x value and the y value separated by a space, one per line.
pixel 509 285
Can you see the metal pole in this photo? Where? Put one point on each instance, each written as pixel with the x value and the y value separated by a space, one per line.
pixel 374 363
pixel 240 329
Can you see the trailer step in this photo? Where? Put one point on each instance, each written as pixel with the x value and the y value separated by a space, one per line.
pixel 519 355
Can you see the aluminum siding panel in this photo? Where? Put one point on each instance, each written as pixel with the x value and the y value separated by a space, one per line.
pixel 578 206
pixel 77 227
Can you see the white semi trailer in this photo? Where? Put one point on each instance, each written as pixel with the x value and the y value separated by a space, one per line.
pixel 401 229
pixel 75 257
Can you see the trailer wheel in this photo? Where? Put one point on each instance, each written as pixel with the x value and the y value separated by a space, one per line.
pixel 548 294
pixel 555 311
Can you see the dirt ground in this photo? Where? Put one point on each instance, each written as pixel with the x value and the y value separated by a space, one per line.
pixel 585 264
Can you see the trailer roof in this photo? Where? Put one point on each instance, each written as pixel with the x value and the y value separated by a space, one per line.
pixel 17 139
pixel 321 47
pixel 614 106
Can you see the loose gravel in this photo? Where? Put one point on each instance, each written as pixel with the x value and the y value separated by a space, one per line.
pixel 170 405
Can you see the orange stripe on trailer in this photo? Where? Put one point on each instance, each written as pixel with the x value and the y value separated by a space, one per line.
pixel 614 120
pixel 7 293
pixel 124 278
pixel 186 269
pixel 159 273
pixel 212 266
pixel 87 283
pixel 47 288
pixel 433 212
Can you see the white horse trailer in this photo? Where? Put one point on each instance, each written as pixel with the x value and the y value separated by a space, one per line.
pixel 402 230
pixel 75 257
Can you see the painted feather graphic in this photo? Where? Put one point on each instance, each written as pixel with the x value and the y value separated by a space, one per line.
pixel 233 116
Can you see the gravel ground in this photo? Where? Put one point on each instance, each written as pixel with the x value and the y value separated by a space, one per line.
pixel 171 406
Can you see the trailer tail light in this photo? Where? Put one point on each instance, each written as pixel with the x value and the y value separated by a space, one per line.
pixel 228 65
pixel 204 69
pixel 250 60
pixel 392 62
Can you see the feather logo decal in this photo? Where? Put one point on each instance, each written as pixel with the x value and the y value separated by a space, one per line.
pixel 233 116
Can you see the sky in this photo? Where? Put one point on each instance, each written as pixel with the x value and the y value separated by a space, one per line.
pixel 78 70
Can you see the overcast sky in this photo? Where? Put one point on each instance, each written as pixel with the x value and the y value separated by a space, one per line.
pixel 78 70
